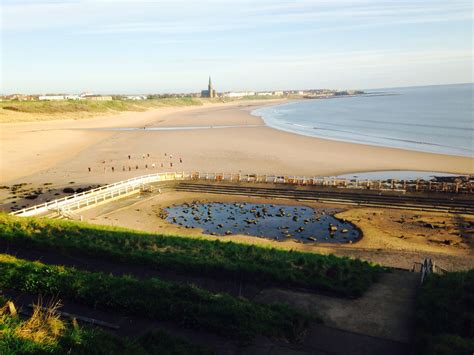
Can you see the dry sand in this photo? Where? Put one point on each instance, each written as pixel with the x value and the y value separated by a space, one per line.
pixel 62 151
pixel 391 237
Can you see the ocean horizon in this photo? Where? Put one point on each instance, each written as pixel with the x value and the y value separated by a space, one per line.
pixel 434 119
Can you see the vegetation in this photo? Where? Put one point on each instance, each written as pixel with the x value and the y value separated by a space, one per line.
pixel 24 111
pixel 445 314
pixel 339 276
pixel 185 304
pixel 45 333
pixel 65 106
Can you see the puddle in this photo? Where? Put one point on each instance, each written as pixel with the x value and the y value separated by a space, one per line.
pixel 278 222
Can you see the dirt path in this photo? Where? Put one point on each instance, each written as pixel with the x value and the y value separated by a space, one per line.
pixel 381 321
pixel 385 311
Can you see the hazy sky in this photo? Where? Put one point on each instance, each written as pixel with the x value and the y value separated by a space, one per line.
pixel 143 46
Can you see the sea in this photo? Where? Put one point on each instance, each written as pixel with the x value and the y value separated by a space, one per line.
pixel 436 119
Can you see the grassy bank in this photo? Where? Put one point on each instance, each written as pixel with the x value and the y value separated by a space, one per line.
pixel 187 305
pixel 28 111
pixel 339 276
pixel 445 314
pixel 45 333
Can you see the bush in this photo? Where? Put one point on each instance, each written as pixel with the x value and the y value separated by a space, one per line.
pixel 445 314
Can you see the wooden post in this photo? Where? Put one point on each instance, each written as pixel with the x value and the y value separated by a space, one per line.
pixel 12 309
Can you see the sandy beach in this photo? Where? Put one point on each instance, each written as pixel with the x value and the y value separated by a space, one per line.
pixel 62 151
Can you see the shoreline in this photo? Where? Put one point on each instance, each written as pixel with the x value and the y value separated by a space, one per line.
pixel 355 141
pixel 61 151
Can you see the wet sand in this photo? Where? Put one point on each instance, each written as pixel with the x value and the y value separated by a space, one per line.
pixel 391 237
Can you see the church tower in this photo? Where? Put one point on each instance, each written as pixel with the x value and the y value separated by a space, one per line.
pixel 211 91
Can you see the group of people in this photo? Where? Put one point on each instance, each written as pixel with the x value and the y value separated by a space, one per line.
pixel 147 165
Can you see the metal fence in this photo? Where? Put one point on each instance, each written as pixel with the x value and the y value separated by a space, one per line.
pixel 427 267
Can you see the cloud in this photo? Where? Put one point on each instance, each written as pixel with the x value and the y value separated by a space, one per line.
pixel 185 16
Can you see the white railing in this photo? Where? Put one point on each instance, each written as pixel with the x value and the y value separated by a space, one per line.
pixel 133 185
pixel 99 195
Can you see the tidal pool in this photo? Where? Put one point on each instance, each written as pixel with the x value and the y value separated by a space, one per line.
pixel 278 222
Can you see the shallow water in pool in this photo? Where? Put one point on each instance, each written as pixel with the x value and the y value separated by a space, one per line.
pixel 278 222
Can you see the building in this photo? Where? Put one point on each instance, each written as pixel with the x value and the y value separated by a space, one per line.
pixel 210 92
pixel 136 97
pixel 239 94
pixel 52 97
pixel 99 98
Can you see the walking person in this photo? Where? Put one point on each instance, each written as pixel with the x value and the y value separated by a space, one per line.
pixel 89 169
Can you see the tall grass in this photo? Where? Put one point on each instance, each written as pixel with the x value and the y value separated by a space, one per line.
pixel 339 276
pixel 187 305
pixel 45 333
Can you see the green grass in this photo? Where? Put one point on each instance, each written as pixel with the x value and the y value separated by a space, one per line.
pixel 445 314
pixel 57 107
pixel 226 260
pixel 26 111
pixel 36 335
pixel 187 305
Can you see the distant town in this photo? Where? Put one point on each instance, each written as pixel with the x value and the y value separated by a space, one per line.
pixel 209 93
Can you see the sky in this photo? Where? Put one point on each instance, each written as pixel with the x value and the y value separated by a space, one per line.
pixel 158 46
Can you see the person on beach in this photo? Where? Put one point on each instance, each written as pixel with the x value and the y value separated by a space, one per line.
pixel 180 160
pixel 129 168
pixel 171 156
pixel 113 169
pixel 153 165
pixel 89 169
pixel 129 157
pixel 165 154
pixel 143 156
pixel 148 155
pixel 136 167
pixel 171 164
pixel 123 168
pixel 146 166
pixel 161 164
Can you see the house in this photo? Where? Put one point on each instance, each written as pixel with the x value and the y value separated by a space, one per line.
pixel 52 97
